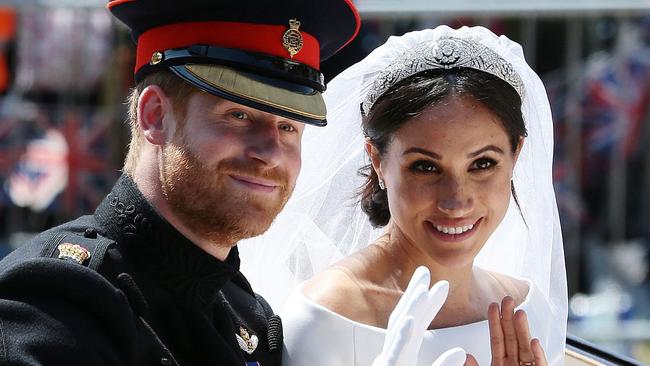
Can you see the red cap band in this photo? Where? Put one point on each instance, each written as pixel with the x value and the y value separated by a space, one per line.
pixel 260 38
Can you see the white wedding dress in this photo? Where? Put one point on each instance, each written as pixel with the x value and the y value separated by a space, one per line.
pixel 315 335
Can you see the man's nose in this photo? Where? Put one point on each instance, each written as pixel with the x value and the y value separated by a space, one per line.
pixel 265 145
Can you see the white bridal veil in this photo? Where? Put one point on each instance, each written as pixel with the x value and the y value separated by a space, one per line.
pixel 322 222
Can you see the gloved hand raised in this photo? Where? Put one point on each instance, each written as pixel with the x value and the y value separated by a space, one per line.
pixel 409 321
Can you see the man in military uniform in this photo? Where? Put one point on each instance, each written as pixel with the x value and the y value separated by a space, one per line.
pixel 223 92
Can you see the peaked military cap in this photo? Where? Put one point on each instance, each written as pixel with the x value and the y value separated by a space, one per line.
pixel 260 53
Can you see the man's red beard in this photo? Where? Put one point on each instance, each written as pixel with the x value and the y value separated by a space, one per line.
pixel 209 205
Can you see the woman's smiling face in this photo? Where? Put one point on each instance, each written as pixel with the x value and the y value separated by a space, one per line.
pixel 447 173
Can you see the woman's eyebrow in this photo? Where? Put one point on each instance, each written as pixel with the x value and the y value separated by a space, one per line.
pixel 419 150
pixel 484 149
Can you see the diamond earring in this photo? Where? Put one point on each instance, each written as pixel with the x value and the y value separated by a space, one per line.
pixel 382 186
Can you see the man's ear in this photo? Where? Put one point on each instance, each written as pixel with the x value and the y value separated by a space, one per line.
pixel 153 106
pixel 375 159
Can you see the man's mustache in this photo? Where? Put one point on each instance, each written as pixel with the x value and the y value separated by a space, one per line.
pixel 277 175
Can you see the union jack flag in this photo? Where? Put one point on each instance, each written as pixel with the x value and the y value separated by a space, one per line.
pixel 93 152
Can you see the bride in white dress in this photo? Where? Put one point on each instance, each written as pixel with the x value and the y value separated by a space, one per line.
pixel 459 134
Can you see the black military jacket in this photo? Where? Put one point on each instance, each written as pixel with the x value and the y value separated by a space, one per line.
pixel 145 296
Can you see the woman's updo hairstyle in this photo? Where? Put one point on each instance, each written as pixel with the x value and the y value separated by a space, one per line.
pixel 409 97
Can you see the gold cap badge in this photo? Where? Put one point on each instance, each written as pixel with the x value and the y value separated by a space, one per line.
pixel 73 251
pixel 292 38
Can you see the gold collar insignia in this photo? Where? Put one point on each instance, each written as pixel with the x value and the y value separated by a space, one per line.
pixel 73 251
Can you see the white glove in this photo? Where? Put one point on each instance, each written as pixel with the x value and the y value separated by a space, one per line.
pixel 452 357
pixel 409 321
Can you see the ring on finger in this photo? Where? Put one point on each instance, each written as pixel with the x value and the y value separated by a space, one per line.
pixel 527 363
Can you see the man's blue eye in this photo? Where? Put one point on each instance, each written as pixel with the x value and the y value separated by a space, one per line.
pixel 240 115
pixel 288 128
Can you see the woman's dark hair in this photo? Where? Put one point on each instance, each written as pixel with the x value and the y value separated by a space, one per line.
pixel 409 97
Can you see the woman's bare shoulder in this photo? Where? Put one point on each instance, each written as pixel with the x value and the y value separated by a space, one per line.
pixel 343 288
pixel 336 289
pixel 503 285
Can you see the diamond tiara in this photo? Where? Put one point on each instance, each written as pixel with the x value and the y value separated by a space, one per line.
pixel 445 53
